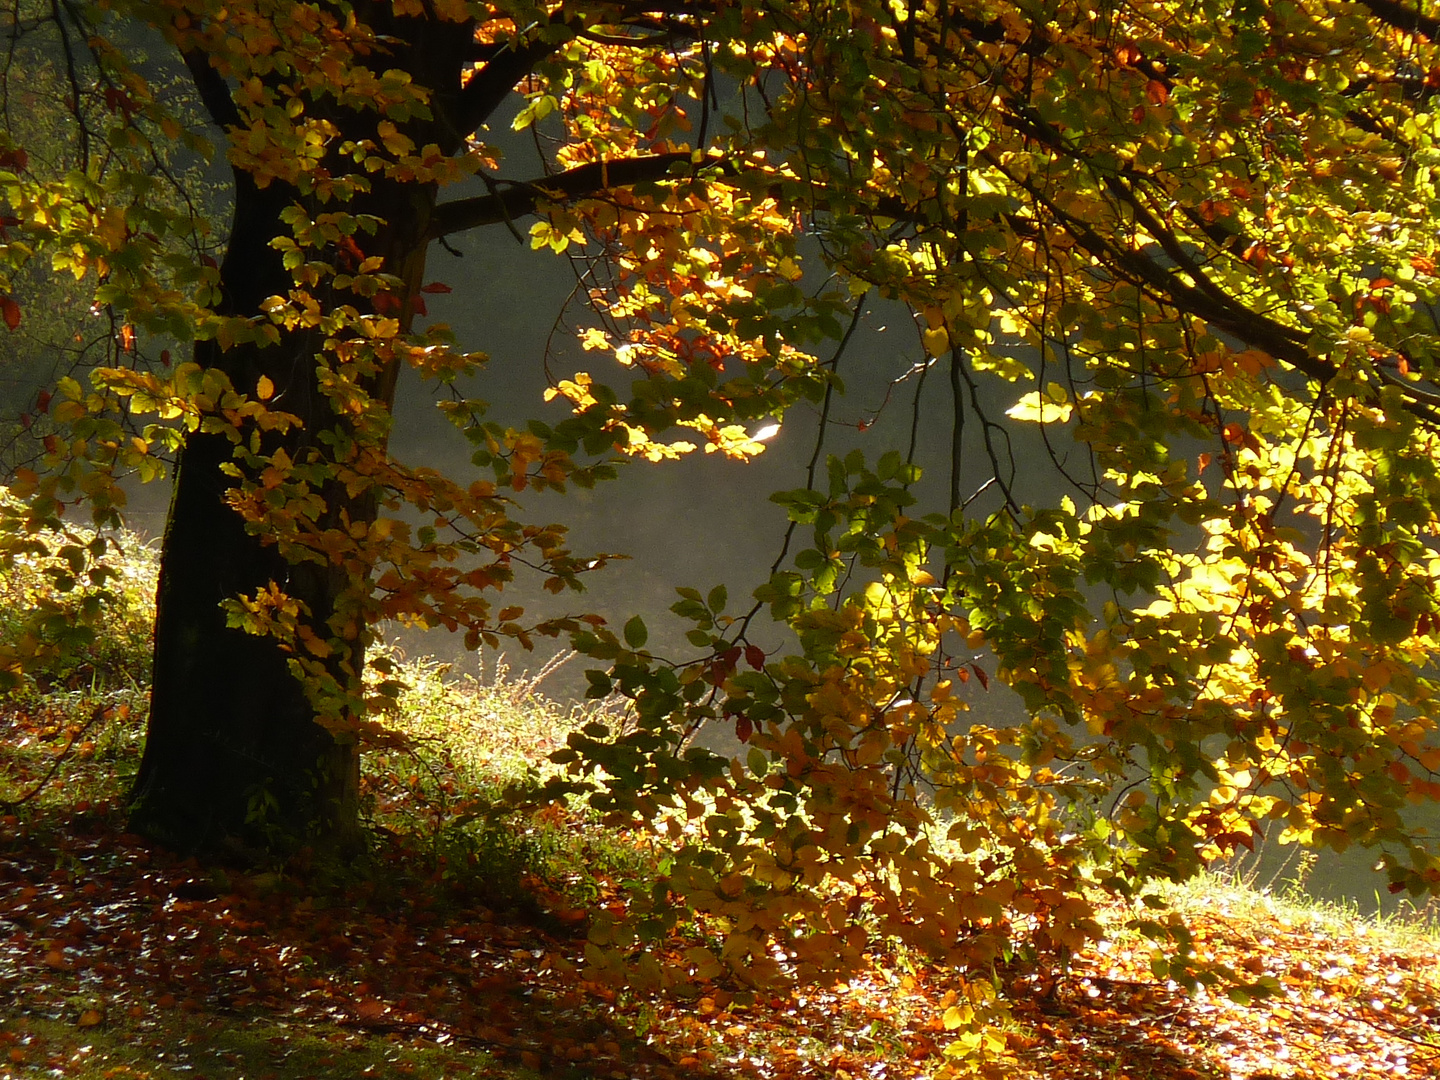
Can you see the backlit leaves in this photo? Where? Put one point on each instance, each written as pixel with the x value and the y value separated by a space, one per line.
pixel 1190 249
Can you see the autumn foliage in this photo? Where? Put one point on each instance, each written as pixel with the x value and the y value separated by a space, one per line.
pixel 1195 243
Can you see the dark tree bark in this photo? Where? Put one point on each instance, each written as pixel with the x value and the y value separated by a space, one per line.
pixel 233 754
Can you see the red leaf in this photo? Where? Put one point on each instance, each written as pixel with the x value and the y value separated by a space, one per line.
pixel 435 287
pixel 755 656
pixel 1256 254
pixel 980 674
pixel 118 100
pixel 42 401
pixel 10 312
pixel 14 159
pixel 723 666
pixel 417 304
pixel 1231 840
pixel 744 728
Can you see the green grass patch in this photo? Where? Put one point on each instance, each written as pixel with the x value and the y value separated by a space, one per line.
pixel 87 1044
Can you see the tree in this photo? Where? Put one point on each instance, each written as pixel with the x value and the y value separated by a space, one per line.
pixel 1195 238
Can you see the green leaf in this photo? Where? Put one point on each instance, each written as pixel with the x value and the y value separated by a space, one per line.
pixel 635 633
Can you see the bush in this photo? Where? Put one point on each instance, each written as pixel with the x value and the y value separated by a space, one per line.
pixel 57 590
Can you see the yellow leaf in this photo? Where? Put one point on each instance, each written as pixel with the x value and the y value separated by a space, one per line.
pixel 264 389
pixel 957 1016
pixel 1050 407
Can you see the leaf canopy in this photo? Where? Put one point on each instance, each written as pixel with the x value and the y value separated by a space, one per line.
pixel 1195 241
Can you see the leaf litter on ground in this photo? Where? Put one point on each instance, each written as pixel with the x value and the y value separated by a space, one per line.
pixel 119 960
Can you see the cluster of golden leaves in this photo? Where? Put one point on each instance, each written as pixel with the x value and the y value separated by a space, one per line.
pixel 1211 230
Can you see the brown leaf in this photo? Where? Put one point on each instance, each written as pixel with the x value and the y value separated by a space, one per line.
pixel 370 1009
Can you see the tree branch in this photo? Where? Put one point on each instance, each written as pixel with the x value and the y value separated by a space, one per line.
pixel 214 93
pixel 522 199
pixel 496 81
pixel 1396 14
pixel 1210 303
pixel 668 37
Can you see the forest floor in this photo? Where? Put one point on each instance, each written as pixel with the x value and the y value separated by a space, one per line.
pixel 119 961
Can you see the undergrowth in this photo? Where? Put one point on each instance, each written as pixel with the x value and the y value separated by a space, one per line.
pixel 79 713
pixel 475 747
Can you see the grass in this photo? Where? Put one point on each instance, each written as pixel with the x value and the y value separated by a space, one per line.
pixel 189 1047
pixel 457 949
pixel 1240 895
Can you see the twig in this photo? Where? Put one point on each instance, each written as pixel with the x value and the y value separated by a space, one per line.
pixel 12 804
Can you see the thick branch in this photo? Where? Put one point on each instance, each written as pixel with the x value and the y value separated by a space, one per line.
pixel 1204 298
pixel 648 41
pixel 214 93
pixel 1213 305
pixel 1403 18
pixel 580 182
pixel 507 64
pixel 496 81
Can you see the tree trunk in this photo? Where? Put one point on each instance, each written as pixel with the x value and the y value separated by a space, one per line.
pixel 233 753
pixel 234 757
